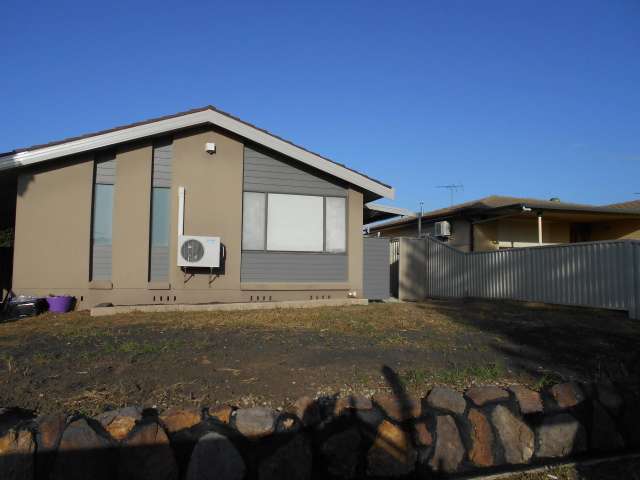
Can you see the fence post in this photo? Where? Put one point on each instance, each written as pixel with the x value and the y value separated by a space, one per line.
pixel 634 299
pixel 412 270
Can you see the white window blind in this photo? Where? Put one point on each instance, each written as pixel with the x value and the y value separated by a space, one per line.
pixel 295 223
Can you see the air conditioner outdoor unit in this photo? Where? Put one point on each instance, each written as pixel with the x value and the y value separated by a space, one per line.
pixel 442 229
pixel 198 252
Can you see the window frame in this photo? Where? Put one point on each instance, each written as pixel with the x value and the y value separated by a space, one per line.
pixel 324 224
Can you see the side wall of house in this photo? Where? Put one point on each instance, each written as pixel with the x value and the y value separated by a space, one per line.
pixel 616 229
pixel 53 229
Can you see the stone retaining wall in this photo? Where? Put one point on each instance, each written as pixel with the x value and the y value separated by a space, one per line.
pixel 486 428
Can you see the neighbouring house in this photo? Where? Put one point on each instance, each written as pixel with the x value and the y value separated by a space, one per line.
pixel 194 207
pixel 498 222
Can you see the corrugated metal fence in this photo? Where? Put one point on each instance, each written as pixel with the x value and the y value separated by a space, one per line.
pixel 595 274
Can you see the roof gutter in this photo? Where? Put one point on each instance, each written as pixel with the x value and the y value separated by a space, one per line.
pixel 523 209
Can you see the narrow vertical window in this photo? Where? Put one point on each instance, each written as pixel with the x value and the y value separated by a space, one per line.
pixel 336 225
pixel 160 211
pixel 102 228
pixel 253 221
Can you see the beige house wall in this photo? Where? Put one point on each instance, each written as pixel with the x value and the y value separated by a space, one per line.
pixel 131 214
pixel 53 224
pixel 53 228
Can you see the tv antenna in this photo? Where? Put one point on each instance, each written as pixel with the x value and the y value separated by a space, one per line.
pixel 453 188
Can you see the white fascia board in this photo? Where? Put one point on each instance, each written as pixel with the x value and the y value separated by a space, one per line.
pixel 389 209
pixel 207 116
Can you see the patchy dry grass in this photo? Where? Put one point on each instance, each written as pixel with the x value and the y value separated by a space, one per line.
pixel 77 362
pixel 618 469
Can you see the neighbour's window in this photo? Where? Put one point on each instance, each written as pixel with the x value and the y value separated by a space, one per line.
pixel 293 223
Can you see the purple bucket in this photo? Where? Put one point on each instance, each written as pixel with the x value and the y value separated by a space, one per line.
pixel 60 304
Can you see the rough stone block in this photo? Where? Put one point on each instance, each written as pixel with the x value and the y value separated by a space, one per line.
pixel 17 449
pixel 280 465
pixel 481 453
pixel 83 454
pixel 175 420
pixel 604 434
pixel 423 435
pixel 256 422
pixel 528 400
pixel 447 399
pixel 147 455
pixel 308 411
pixel 341 452
pixel 515 436
pixel 352 402
pixel 120 422
pixel 560 436
pixel 567 395
pixel 449 450
pixel 610 398
pixel 483 395
pixel 398 409
pixel 215 458
pixel 223 414
pixel 391 454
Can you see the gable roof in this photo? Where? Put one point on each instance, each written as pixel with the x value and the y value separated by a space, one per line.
pixel 496 202
pixel 200 116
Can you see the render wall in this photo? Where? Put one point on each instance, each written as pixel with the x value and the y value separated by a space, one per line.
pixel 53 229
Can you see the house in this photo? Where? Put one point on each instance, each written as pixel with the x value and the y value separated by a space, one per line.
pixel 195 207
pixel 497 222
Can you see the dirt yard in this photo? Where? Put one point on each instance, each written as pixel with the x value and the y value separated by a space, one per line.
pixel 77 363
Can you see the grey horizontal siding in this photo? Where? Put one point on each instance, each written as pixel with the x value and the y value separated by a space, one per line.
pixel 162 159
pixel 264 173
pixel 293 267
pixel 101 262
pixel 159 264
pixel 106 169
pixel 376 268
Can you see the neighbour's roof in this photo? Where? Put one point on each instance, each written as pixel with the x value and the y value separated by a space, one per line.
pixel 632 206
pixel 374 212
pixel 500 202
pixel 199 116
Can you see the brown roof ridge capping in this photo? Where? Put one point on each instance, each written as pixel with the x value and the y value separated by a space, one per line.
pixel 500 202
pixel 175 115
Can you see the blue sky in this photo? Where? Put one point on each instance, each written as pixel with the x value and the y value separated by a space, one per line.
pixel 526 98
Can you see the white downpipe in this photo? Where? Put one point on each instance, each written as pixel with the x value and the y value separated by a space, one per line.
pixel 539 229
pixel 181 211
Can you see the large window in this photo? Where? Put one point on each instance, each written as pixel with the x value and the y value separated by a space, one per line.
pixel 293 223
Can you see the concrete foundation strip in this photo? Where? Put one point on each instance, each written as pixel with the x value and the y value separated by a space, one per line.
pixel 123 309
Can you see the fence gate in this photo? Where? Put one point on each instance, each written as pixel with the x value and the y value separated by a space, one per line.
pixel 375 281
